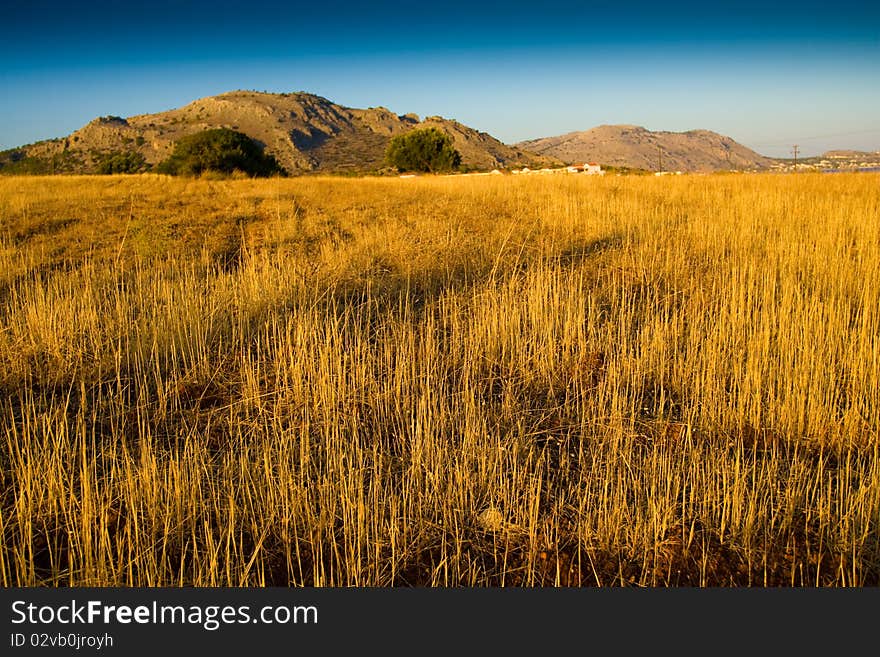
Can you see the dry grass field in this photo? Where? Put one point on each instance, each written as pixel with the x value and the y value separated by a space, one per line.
pixel 485 381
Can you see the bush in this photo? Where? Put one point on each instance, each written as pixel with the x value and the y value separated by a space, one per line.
pixel 219 150
pixel 426 149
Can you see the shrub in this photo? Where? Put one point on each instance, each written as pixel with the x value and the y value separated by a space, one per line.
pixel 425 149
pixel 219 150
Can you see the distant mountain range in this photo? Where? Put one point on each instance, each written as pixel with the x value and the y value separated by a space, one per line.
pixel 308 133
pixel 635 147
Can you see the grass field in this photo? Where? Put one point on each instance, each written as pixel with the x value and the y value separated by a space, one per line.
pixel 522 381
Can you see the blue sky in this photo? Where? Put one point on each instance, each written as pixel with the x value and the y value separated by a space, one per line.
pixel 768 74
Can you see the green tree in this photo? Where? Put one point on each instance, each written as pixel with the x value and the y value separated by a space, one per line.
pixel 222 150
pixel 127 162
pixel 424 149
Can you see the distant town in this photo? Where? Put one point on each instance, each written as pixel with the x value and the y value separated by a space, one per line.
pixel 831 162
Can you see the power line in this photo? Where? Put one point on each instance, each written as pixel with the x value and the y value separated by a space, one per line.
pixel 839 134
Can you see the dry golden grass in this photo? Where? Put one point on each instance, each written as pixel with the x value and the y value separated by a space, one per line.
pixel 479 381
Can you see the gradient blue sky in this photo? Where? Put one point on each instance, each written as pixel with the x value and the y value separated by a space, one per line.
pixel 769 74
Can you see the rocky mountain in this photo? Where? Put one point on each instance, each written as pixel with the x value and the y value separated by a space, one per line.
pixel 303 131
pixel 635 147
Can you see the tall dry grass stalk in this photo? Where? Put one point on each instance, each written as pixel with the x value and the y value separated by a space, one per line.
pixel 441 381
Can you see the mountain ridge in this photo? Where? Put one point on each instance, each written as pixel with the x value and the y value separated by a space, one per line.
pixel 303 131
pixel 307 133
pixel 626 145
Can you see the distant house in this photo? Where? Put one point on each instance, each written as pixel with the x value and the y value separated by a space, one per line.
pixel 590 167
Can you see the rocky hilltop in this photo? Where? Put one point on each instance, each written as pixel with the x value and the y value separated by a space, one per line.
pixel 303 131
pixel 636 147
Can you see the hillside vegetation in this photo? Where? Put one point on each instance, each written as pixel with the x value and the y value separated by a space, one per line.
pixel 499 380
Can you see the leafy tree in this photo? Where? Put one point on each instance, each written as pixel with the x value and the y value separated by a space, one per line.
pixel 127 162
pixel 424 149
pixel 222 150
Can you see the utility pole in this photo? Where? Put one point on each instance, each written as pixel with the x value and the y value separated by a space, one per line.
pixel 794 150
pixel 659 158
